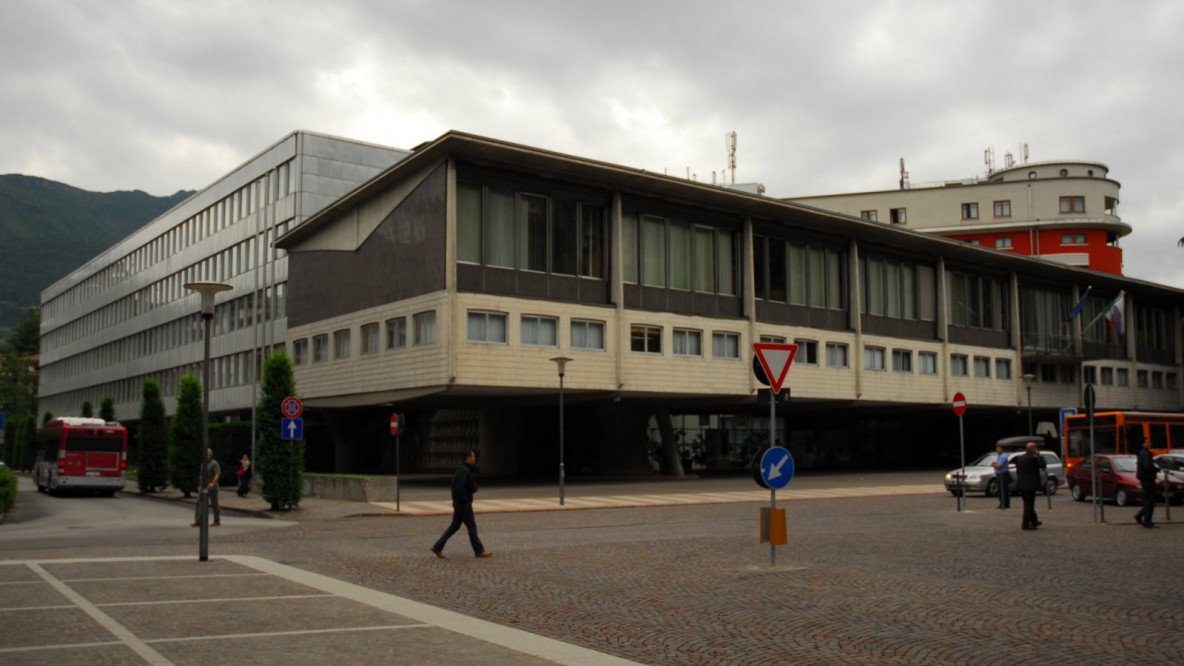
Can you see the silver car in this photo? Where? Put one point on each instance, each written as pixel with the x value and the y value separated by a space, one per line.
pixel 980 476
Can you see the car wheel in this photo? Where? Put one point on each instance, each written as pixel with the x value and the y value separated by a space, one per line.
pixel 1050 486
pixel 1076 491
pixel 1121 498
pixel 993 488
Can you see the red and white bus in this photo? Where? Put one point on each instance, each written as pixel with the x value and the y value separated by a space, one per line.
pixel 77 453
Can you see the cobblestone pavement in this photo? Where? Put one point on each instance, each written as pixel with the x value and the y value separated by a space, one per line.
pixel 863 581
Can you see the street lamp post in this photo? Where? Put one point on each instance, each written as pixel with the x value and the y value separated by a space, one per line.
pixel 1028 379
pixel 208 291
pixel 562 362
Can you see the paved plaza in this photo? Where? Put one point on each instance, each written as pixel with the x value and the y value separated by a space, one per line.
pixel 895 578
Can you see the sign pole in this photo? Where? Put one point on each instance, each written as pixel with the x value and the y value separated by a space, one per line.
pixel 772 491
pixel 959 405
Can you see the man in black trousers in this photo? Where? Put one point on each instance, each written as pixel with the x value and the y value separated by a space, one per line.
pixel 1145 472
pixel 1029 469
pixel 463 487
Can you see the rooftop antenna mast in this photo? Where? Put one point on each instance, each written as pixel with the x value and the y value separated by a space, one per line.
pixel 904 176
pixel 730 140
pixel 989 159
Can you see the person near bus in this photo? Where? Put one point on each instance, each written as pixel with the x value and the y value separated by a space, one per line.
pixel 214 472
pixel 1145 472
pixel 244 476
pixel 1029 469
pixel 1002 478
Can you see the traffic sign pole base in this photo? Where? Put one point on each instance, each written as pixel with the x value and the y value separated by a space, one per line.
pixel 773 526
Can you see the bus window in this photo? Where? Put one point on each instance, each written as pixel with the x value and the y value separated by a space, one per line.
pixel 1134 435
pixel 1159 437
pixel 1105 440
pixel 1176 434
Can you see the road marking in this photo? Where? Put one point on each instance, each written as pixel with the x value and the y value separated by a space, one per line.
pixel 127 637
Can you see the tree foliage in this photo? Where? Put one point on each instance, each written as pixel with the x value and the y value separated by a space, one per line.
pixel 279 463
pixel 153 439
pixel 186 456
pixel 107 408
pixel 26 335
pixel 88 409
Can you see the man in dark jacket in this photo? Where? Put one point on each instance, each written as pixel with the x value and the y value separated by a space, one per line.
pixel 1029 468
pixel 1145 472
pixel 463 487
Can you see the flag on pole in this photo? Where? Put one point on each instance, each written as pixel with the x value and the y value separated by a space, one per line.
pixel 1076 311
pixel 1115 313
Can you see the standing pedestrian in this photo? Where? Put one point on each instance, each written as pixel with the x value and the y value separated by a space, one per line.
pixel 1002 478
pixel 1029 471
pixel 214 471
pixel 1145 472
pixel 244 476
pixel 463 487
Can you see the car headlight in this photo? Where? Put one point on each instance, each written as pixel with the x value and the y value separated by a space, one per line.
pixel 950 476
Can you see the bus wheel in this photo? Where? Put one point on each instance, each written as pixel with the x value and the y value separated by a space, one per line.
pixel 1076 491
pixel 1121 498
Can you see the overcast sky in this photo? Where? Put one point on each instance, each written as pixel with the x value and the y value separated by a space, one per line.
pixel 825 96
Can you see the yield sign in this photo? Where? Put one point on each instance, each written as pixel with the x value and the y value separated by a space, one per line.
pixel 775 358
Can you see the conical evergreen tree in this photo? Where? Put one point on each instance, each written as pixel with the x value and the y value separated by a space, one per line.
pixel 186 456
pixel 279 462
pixel 107 408
pixel 153 440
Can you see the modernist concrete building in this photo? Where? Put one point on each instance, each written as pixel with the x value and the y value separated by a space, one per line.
pixel 445 285
pixel 125 316
pixel 1063 211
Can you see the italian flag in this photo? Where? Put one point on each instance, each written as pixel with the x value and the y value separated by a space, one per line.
pixel 1115 313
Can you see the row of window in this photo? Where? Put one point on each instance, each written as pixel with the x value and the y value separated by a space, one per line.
pixel 1004 242
pixel 672 253
pixel 269 187
pixel 243 257
pixel 877 358
pixel 798 273
pixel 317 349
pixel 239 369
pixel 1121 377
pixel 261 306
pixel 1001 209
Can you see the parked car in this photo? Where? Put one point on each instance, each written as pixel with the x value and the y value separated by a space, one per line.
pixel 980 476
pixel 1173 461
pixel 1118 481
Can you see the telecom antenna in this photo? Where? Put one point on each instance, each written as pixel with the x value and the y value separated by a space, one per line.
pixel 904 176
pixel 1008 160
pixel 989 158
pixel 730 140
pixel 1024 152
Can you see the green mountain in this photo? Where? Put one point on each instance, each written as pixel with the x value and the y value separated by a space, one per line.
pixel 48 229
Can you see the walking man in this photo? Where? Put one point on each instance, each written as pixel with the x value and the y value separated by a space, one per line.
pixel 1002 478
pixel 1029 471
pixel 1145 472
pixel 463 487
pixel 213 472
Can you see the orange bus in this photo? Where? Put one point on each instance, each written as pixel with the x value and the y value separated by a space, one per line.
pixel 78 453
pixel 1119 432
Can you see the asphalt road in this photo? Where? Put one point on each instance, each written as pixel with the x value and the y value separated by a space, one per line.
pixel 863 581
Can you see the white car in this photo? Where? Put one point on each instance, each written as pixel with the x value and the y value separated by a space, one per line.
pixel 980 476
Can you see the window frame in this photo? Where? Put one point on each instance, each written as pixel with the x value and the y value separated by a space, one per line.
pixel 873 358
pixel 1072 204
pixel 649 333
pixel 807 351
pixel 902 360
pixel 687 335
pixel 368 333
pixel 1002 208
pixel 485 316
pixel 343 346
pixel 834 349
pixel 420 335
pixel 320 348
pixel 729 336
pixel 538 320
pixel 586 324
pixel 970 210
pixel 396 332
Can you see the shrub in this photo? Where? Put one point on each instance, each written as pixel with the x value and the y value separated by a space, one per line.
pixel 7 490
pixel 152 440
pixel 187 457
pixel 281 462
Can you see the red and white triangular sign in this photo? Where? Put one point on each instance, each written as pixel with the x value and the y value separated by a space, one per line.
pixel 775 358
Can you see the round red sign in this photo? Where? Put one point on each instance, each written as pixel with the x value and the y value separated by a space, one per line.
pixel 959 404
pixel 292 407
pixel 394 424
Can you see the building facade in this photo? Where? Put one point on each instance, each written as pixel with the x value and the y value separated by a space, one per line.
pixel 1065 211
pixel 444 286
pixel 125 315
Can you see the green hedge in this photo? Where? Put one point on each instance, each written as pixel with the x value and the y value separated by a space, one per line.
pixel 229 442
pixel 7 490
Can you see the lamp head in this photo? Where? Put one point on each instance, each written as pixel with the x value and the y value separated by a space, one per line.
pixel 562 362
pixel 207 290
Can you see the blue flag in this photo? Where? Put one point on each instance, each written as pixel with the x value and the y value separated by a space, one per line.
pixel 1076 311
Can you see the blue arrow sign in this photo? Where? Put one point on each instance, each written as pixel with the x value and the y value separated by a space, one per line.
pixel 291 428
pixel 1 420
pixel 777 467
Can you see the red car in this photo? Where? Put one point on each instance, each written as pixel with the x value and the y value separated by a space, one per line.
pixel 1118 481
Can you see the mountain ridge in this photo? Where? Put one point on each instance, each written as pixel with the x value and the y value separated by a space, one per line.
pixel 49 228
